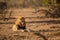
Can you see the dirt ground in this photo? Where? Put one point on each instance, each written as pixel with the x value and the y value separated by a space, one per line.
pixel 40 28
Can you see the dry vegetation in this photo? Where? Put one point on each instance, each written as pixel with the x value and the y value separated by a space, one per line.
pixel 7 33
pixel 39 26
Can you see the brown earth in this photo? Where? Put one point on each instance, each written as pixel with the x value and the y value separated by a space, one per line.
pixel 41 28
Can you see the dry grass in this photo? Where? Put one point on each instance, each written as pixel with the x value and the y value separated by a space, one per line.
pixel 7 33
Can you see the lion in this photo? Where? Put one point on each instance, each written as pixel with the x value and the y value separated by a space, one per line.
pixel 19 24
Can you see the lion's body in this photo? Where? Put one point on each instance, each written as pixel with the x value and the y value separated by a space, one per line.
pixel 19 24
pixel 14 28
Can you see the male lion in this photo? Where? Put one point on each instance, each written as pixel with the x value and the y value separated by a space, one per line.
pixel 19 24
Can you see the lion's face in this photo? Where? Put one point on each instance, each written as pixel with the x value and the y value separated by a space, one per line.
pixel 20 20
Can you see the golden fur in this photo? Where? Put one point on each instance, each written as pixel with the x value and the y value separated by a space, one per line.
pixel 20 21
